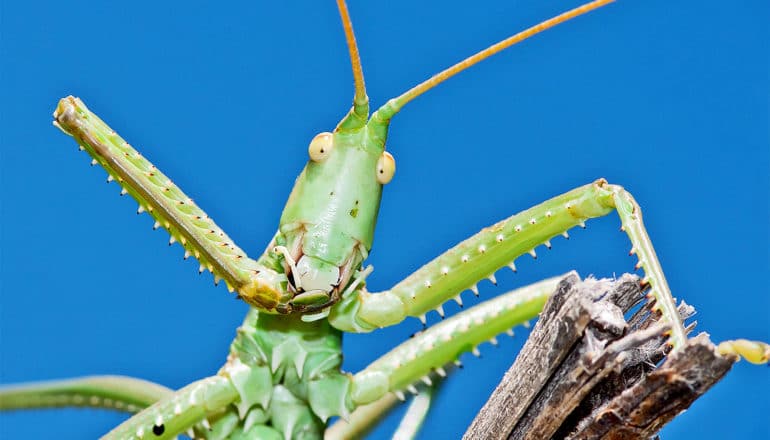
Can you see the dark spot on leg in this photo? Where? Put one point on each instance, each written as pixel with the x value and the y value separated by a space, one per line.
pixel 158 429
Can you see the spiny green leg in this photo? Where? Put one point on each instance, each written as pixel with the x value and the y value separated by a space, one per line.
pixel 499 245
pixel 179 411
pixel 170 207
pixel 442 343
pixel 378 388
pixel 110 392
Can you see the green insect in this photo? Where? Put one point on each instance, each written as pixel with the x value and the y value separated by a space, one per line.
pixel 282 378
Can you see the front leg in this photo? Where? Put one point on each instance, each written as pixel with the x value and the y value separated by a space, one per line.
pixel 499 245
pixel 259 285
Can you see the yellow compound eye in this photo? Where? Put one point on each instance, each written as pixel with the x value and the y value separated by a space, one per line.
pixel 320 147
pixel 386 167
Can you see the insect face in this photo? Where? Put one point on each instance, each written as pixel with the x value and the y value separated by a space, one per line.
pixel 327 226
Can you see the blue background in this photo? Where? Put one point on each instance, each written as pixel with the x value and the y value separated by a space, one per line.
pixel 669 99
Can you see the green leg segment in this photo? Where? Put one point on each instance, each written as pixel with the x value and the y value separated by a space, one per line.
pixel 170 207
pixel 178 412
pixel 442 343
pixel 415 415
pixel 499 245
pixel 109 392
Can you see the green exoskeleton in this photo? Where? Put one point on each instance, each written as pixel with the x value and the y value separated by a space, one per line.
pixel 282 378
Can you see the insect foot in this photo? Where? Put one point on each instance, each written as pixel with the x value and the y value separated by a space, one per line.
pixel 756 352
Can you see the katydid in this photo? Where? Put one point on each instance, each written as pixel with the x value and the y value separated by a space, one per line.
pixel 312 276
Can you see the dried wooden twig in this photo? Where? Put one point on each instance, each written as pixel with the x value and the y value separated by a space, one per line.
pixel 586 373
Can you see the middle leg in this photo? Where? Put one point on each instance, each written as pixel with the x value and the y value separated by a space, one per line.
pixel 499 245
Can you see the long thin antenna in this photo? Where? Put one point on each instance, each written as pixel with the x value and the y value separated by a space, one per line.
pixel 386 112
pixel 360 100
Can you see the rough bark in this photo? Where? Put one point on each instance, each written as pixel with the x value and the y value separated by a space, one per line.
pixel 587 373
